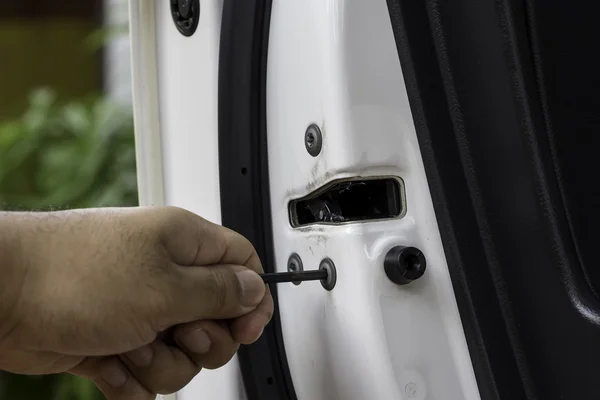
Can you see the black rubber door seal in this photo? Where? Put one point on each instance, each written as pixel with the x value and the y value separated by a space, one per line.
pixel 244 175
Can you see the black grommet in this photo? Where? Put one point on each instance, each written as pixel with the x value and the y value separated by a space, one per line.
pixel 295 265
pixel 313 140
pixel 186 15
pixel 404 264
pixel 329 282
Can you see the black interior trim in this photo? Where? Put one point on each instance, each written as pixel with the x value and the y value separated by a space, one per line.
pixel 530 317
pixel 244 177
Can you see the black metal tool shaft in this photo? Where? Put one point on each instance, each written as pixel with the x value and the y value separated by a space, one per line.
pixel 280 277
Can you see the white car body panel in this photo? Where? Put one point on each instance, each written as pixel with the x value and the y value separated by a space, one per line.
pixel 175 103
pixel 334 63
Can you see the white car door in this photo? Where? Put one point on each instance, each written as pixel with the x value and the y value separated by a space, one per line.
pixel 221 122
pixel 392 142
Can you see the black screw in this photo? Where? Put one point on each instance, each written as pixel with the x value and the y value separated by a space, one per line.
pixel 404 264
pixel 326 274
pixel 313 140
pixel 295 265
pixel 186 15
pixel 282 277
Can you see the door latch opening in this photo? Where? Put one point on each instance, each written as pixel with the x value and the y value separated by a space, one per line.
pixel 350 200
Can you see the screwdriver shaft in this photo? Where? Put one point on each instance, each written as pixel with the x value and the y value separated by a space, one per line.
pixel 280 277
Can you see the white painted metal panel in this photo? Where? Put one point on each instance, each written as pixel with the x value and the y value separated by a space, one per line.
pixel 331 62
pixel 175 100
pixel 335 63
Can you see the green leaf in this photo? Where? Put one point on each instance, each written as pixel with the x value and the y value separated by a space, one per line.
pixel 79 154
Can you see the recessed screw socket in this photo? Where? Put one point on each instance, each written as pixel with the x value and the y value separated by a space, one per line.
pixel 295 265
pixel 313 140
pixel 404 265
pixel 329 282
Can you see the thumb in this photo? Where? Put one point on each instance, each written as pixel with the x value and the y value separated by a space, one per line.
pixel 219 292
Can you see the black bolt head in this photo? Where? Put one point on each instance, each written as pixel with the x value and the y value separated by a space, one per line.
pixel 404 265
pixel 186 15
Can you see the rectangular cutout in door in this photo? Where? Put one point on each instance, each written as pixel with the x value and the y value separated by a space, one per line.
pixel 350 200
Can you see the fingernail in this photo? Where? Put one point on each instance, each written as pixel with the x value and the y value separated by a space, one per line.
pixel 253 287
pixel 114 374
pixel 141 357
pixel 197 341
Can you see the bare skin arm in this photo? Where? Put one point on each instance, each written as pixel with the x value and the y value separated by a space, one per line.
pixel 139 300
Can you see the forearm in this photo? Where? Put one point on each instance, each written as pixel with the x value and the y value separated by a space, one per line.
pixel 12 270
pixel 17 245
pixel 37 245
pixel 11 251
pixel 36 240
pixel 36 250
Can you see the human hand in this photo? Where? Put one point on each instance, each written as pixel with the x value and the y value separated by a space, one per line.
pixel 139 300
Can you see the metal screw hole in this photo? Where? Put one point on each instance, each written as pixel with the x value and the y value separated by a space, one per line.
pixel 313 140
pixel 295 265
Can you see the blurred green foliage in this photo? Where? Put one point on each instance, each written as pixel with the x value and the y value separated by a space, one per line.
pixel 60 155
pixel 73 155
pixel 51 387
pixel 57 156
